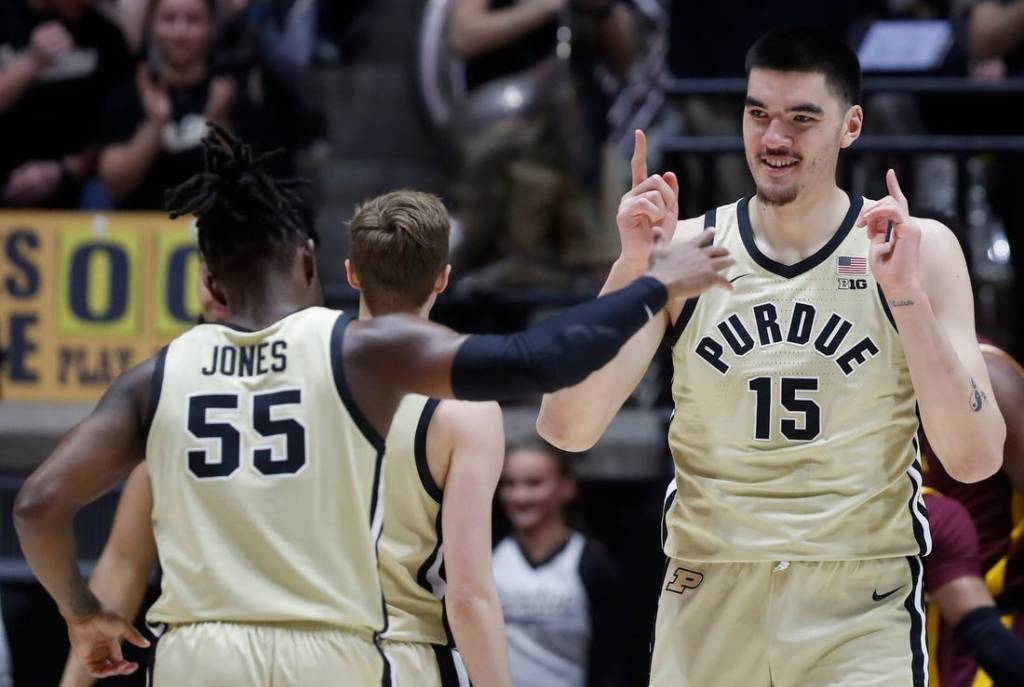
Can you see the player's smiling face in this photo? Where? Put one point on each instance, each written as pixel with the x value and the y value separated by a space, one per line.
pixel 793 127
pixel 532 491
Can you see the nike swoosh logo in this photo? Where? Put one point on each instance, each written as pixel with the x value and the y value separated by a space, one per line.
pixel 875 596
pixel 739 277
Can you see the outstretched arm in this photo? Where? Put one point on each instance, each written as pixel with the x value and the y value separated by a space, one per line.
pixel 88 462
pixel 923 275
pixel 119 580
pixel 474 610
pixel 387 357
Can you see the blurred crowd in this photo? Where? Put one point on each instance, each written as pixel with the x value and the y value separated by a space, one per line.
pixel 103 104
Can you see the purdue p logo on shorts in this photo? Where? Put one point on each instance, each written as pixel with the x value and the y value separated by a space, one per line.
pixel 684 579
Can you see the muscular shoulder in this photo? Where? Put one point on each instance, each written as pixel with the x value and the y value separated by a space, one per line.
pixel 456 421
pixel 458 424
pixel 937 240
pixel 137 389
pixel 942 265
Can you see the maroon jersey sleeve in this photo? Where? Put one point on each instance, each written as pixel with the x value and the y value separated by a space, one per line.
pixel 954 543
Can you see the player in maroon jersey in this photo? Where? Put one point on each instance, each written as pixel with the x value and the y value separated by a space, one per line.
pixel 964 631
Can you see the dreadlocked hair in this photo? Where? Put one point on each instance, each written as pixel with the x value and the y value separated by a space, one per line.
pixel 242 212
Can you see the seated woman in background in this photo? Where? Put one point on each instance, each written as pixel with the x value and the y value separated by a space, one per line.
pixel 559 591
pixel 154 123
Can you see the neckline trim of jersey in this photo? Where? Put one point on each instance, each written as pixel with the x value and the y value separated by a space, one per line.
pixel 808 263
pixel 245 330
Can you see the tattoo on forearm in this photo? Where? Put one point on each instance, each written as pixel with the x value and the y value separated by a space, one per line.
pixel 978 397
pixel 901 303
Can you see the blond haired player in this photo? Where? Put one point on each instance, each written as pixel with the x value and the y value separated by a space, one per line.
pixel 264 441
pixel 796 532
pixel 443 459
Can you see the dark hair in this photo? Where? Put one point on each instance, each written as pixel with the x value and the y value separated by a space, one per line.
pixel 211 5
pixel 399 245
pixel 809 49
pixel 562 459
pixel 243 215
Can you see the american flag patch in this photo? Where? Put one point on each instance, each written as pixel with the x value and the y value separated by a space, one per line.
pixel 848 264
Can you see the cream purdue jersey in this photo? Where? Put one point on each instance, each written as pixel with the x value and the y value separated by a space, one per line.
pixel 265 479
pixel 411 552
pixel 794 431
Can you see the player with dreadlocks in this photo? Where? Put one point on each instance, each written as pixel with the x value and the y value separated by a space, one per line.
pixel 263 437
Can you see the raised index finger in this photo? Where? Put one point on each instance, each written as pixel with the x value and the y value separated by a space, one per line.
pixel 894 188
pixel 639 161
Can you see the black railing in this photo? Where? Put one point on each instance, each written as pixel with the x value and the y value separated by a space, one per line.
pixel 923 85
pixel 869 143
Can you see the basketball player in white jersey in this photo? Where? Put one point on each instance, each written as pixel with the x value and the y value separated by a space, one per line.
pixel 795 535
pixel 264 440
pixel 442 466
pixel 436 571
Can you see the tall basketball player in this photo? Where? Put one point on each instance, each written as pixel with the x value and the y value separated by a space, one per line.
pixel 441 466
pixel 264 439
pixel 798 524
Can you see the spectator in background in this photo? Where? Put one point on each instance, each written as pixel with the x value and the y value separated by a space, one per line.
pixel 58 59
pixel 267 46
pixel 996 36
pixel 154 123
pixel 560 592
pixel 130 17
pixel 531 172
pixel 236 62
pixel 964 631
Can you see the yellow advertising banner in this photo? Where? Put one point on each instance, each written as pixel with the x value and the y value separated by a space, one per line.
pixel 84 297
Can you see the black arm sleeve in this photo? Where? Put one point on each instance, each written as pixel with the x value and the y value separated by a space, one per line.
pixel 998 651
pixel 607 616
pixel 560 351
